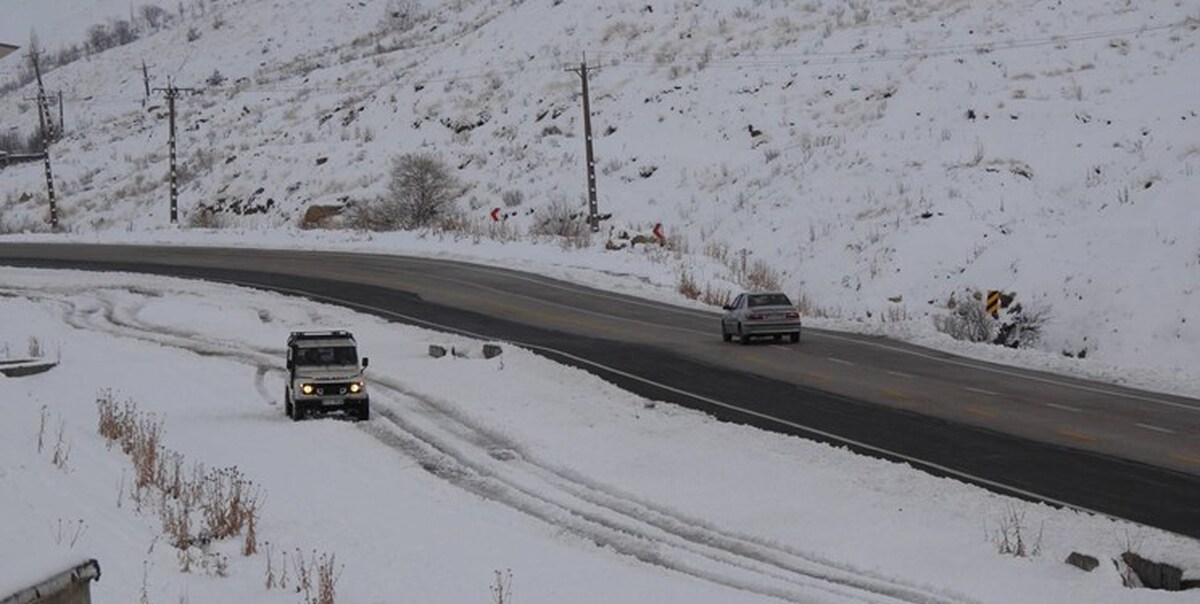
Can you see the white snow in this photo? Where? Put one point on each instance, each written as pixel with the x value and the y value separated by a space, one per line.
pixel 585 493
pixel 1072 185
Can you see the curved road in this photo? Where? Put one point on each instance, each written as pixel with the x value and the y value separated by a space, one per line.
pixel 1122 452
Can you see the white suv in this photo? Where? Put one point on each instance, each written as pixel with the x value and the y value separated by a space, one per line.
pixel 324 375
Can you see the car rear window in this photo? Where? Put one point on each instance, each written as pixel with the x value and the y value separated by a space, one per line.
pixel 769 300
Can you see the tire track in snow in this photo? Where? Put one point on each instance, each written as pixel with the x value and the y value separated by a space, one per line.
pixel 450 446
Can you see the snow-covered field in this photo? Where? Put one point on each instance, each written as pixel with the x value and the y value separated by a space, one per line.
pixel 573 490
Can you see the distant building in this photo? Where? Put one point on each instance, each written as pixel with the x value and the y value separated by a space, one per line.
pixel 7 49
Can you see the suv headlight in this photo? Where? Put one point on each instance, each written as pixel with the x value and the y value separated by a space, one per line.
pixel 355 387
pixel 306 388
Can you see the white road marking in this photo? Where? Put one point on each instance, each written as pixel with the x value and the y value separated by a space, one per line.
pixel 833 336
pixel 1156 428
pixel 900 374
pixel 981 391
pixel 1063 407
pixel 841 361
pixel 704 399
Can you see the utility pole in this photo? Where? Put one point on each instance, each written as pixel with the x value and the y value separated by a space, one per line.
pixel 145 82
pixel 593 211
pixel 42 104
pixel 172 93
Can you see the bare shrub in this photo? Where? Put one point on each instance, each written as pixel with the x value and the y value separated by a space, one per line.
pixel 760 276
pixel 401 15
pixel 512 198
pixel 62 448
pixel 559 219
pixel 1009 537
pixel 34 349
pixel 502 587
pixel 968 321
pixel 687 285
pixel 421 191
pixel 207 218
pixel 1022 326
pixel 719 297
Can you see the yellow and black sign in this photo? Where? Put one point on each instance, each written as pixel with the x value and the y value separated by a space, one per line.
pixel 993 303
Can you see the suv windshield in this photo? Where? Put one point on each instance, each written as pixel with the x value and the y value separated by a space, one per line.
pixel 769 300
pixel 327 355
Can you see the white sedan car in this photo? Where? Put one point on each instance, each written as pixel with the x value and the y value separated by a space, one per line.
pixel 760 314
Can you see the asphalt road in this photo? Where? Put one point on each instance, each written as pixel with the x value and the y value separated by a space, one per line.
pixel 1118 451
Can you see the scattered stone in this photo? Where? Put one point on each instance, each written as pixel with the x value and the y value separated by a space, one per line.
pixel 491 351
pixel 1154 575
pixel 436 351
pixel 1083 561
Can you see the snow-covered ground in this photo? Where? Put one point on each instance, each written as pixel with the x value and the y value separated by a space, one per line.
pixel 877 157
pixel 572 489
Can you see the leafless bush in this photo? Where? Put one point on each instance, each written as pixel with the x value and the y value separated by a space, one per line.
pixel 512 198
pixel 69 532
pixel 1009 537
pixel 62 448
pixel 207 218
pixel 401 15
pixel 41 429
pixel 421 191
pixel 35 348
pixel 967 321
pixel 712 296
pixel 1022 326
pixel 760 276
pixel 502 587
pixel 559 219
pixel 687 285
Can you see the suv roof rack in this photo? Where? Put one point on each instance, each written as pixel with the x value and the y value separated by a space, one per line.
pixel 314 335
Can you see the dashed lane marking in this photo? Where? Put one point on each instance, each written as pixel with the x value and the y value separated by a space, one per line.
pixel 900 374
pixel 1156 428
pixel 981 391
pixel 839 361
pixel 1063 407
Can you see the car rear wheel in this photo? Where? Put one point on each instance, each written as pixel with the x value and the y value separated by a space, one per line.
pixel 743 337
pixel 795 337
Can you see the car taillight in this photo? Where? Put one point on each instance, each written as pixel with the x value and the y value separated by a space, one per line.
pixel 755 317
pixel 793 315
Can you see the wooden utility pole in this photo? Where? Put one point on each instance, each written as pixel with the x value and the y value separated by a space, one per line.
pixel 593 211
pixel 172 93
pixel 43 107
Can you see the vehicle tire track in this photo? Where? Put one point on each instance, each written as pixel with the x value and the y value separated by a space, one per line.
pixel 452 447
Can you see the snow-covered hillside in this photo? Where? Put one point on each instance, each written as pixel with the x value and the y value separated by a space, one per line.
pixel 878 156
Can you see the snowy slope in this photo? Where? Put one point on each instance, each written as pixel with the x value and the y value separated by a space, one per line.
pixel 866 152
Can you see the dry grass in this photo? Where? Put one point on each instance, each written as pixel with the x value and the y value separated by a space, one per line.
pixel 1009 536
pixel 195 506
pixel 687 285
